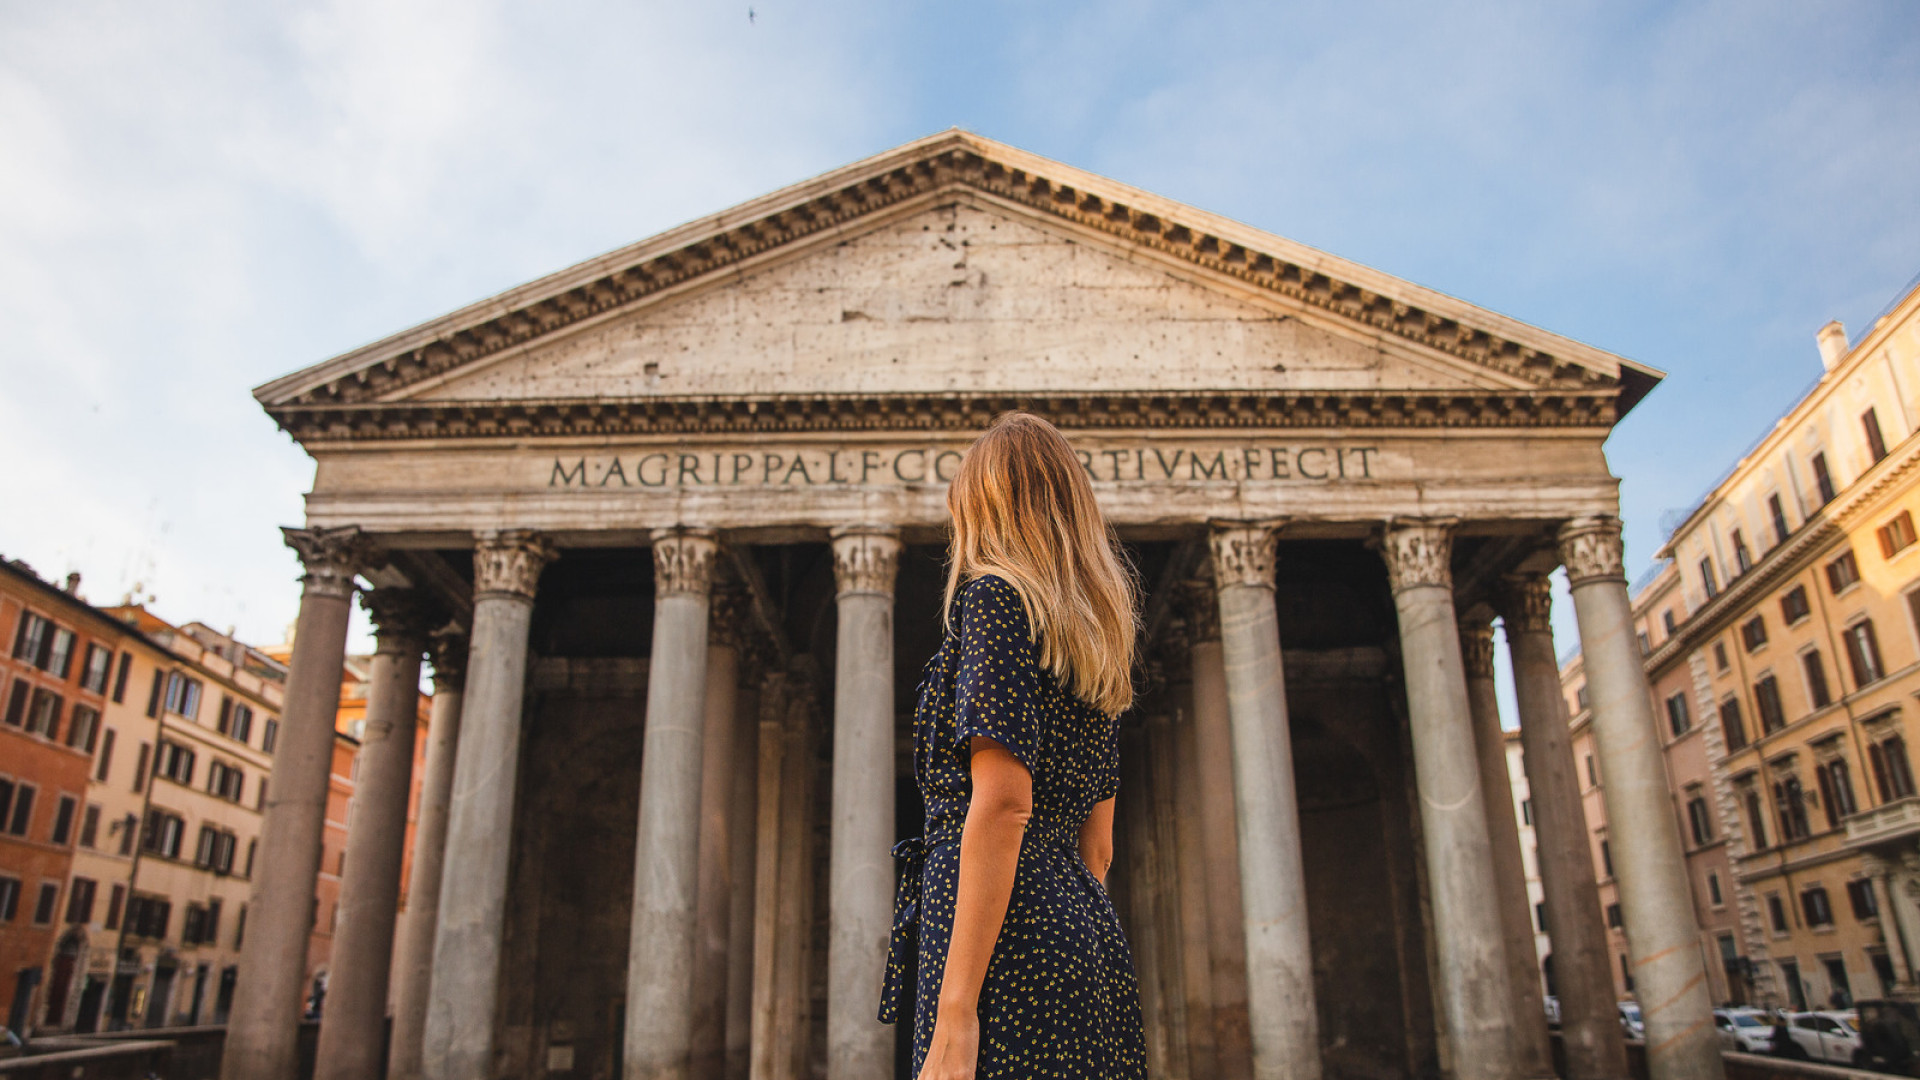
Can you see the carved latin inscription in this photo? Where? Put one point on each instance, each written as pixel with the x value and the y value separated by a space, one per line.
pixel 683 561
pixel 330 556
pixel 1418 553
pixel 1243 555
pixel 865 559
pixel 510 562
pixel 1590 548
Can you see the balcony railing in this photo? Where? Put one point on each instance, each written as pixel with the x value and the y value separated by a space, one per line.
pixel 1896 820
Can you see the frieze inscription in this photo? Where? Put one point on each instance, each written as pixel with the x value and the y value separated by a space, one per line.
pixel 1312 463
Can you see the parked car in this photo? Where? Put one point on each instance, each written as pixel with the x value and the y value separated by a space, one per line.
pixel 1749 1031
pixel 1832 1037
pixel 1889 1037
pixel 1632 1025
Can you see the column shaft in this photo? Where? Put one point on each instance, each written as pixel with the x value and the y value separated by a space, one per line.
pixel 1476 1002
pixel 467 945
pixel 667 846
pixel 413 962
pixel 1226 928
pixel 715 910
pixel 264 1026
pixel 1282 1015
pixel 1662 934
pixel 1533 1053
pixel 860 883
pixel 742 951
pixel 1190 880
pixel 353 1027
pixel 1589 1024
pixel 768 803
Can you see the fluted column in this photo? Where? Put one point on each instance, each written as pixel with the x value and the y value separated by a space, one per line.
pixel 1282 1015
pixel 353 1027
pixel 473 888
pixel 1476 1002
pixel 860 870
pixel 1533 1053
pixel 667 848
pixel 713 923
pixel 413 959
pixel 264 1025
pixel 1589 1024
pixel 1662 934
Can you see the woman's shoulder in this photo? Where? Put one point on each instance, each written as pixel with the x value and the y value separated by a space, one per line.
pixel 990 594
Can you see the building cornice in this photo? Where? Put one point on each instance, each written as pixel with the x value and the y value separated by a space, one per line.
pixel 922 413
pixel 954 162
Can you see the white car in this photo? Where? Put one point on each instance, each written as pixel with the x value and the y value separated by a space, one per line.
pixel 1631 1023
pixel 1826 1036
pixel 1749 1031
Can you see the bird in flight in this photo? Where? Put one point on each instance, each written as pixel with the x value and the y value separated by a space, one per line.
pixel 749 16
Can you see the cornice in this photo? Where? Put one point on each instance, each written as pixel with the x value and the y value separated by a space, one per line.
pixel 929 169
pixel 962 412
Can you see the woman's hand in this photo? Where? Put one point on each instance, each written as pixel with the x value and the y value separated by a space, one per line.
pixel 954 1051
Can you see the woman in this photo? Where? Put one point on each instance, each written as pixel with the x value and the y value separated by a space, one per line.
pixel 1023 971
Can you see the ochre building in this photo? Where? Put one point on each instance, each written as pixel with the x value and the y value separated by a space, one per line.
pixel 682 509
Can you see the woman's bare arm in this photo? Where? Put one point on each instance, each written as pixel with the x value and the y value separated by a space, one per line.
pixel 1096 840
pixel 989 855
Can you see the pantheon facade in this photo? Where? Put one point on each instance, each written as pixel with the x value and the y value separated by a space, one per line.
pixel 669 528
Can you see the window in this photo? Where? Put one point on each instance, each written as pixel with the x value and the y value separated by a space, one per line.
pixel 1836 791
pixel 1540 918
pixel 1892 775
pixel 1741 557
pixel 106 757
pixel 1860 896
pixel 252 845
pixel 183 695
pixel 90 826
pixel 193 926
pixel 129 825
pixel 270 735
pixel 1613 916
pixel 9 898
pixel 215 850
pixel 1593 774
pixel 1817 690
pixel 1606 858
pixel 120 679
pixel 1731 725
pixel 83 727
pixel 1713 889
pixel 49 902
pixel 43 716
pixel 1706 576
pixel 33 637
pixel 1526 811
pixel 64 812
pixel 226 713
pixel 1626 972
pixel 1822 478
pixel 1796 990
pixel 1896 535
pixel 1792 807
pixel 1580 700
pixel 148 916
pixel 1678 719
pixel 94 672
pixel 1863 653
pixel 17 703
pixel 1700 821
pixel 1794 605
pixel 153 696
pixel 80 901
pixel 242 727
pixel 60 657
pixel 16 807
pixel 1842 572
pixel 163 833
pixel 1766 702
pixel 1720 661
pixel 1753 632
pixel 1842 994
pixel 140 769
pixel 1779 517
pixel 224 780
pixel 1666 621
pixel 175 762
pixel 1646 643
pixel 1814 905
pixel 1876 442
pixel 240 928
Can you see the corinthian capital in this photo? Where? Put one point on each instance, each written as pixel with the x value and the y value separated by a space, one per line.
pixel 866 558
pixel 1199 607
pixel 1243 553
pixel 1591 549
pixel 330 557
pixel 402 618
pixel 447 648
pixel 510 562
pixel 1418 553
pixel 1526 602
pixel 683 560
pixel 1476 648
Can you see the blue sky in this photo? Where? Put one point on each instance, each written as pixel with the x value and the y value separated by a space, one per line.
pixel 196 198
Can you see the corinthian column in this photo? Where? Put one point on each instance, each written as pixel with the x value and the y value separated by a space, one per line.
pixel 1476 1000
pixel 354 1024
pixel 413 959
pixel 667 849
pixel 1281 1013
pixel 473 888
pixel 264 1025
pixel 1589 1024
pixel 1662 934
pixel 718 768
pixel 860 870
pixel 1533 1053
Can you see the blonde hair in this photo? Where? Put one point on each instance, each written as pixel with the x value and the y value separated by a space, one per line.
pixel 1023 509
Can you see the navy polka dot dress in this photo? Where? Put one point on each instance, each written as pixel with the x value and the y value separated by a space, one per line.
pixel 1060 998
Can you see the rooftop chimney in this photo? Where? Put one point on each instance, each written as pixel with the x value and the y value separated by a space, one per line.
pixel 1833 344
pixel 73 583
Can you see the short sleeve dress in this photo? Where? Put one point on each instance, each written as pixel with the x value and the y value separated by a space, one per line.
pixel 1060 998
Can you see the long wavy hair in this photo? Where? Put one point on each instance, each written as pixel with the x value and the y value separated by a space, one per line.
pixel 1023 509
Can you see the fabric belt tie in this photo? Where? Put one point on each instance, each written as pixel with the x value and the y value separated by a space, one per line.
pixel 903 948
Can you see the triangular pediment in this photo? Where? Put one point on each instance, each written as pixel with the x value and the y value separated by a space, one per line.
pixel 956 266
